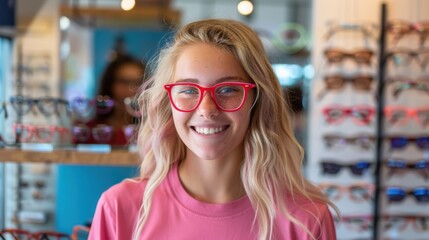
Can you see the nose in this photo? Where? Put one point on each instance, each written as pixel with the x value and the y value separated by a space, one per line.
pixel 208 107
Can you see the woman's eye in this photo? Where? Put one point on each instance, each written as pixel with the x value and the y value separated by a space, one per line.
pixel 189 91
pixel 226 90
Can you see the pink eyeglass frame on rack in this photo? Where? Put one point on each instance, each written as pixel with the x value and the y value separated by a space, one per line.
pixel 348 112
pixel 410 113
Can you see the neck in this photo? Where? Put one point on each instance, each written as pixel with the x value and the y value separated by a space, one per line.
pixel 212 181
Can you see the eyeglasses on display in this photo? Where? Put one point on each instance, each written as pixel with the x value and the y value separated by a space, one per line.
pixel 398 194
pixel 399 115
pixel 361 115
pixel 401 222
pixel 15 234
pixel 26 235
pixel 404 57
pixel 85 107
pixel 335 82
pixel 400 142
pixel 359 82
pixel 363 141
pixel 366 29
pixel 47 106
pixel 228 96
pixel 410 85
pixel 28 133
pixel 399 28
pixel 333 167
pixel 361 56
pixel 101 133
pixel 356 192
pixel 399 165
pixel 356 223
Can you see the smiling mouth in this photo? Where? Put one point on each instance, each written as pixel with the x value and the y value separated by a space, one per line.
pixel 209 131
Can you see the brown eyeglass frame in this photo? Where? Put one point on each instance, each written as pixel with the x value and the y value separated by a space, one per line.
pixel 360 56
pixel 360 82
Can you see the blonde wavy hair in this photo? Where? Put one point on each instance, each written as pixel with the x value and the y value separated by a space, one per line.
pixel 273 157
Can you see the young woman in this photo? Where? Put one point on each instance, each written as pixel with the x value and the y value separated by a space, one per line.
pixel 219 157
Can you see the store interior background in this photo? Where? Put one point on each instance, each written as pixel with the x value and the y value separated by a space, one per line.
pixel 77 51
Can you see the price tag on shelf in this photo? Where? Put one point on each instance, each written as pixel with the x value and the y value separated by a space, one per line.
pixel 37 147
pixel 97 148
pixel 132 148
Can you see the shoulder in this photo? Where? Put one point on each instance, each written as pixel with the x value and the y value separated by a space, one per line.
pixel 306 209
pixel 129 190
pixel 127 194
pixel 117 210
pixel 314 216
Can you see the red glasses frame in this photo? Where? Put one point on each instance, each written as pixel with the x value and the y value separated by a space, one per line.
pixel 406 115
pixel 211 90
pixel 34 132
pixel 349 112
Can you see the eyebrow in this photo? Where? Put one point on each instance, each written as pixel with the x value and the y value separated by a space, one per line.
pixel 223 79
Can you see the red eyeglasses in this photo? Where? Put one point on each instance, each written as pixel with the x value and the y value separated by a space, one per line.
pixel 35 133
pixel 362 115
pixel 401 115
pixel 228 96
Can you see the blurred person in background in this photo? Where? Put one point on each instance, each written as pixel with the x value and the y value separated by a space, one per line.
pixel 120 80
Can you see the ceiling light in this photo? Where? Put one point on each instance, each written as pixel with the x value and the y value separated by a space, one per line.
pixel 127 5
pixel 245 7
pixel 64 23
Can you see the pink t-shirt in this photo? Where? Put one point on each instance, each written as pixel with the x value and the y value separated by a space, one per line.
pixel 176 215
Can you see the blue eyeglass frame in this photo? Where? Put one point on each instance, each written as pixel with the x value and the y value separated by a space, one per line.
pixel 398 194
pixel 399 142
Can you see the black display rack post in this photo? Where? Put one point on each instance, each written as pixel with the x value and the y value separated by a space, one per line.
pixel 380 120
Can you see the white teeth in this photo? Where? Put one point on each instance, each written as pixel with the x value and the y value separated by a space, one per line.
pixel 207 131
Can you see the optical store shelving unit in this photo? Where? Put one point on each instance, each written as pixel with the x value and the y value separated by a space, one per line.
pixel 115 157
pixel 390 199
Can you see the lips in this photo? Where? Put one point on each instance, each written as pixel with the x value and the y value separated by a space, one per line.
pixel 210 130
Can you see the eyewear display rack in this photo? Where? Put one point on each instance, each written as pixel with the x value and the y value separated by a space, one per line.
pixel 400 210
pixel 390 199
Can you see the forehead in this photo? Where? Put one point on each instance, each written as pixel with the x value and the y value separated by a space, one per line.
pixel 206 64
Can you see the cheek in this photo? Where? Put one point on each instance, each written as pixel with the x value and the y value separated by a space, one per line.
pixel 179 120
